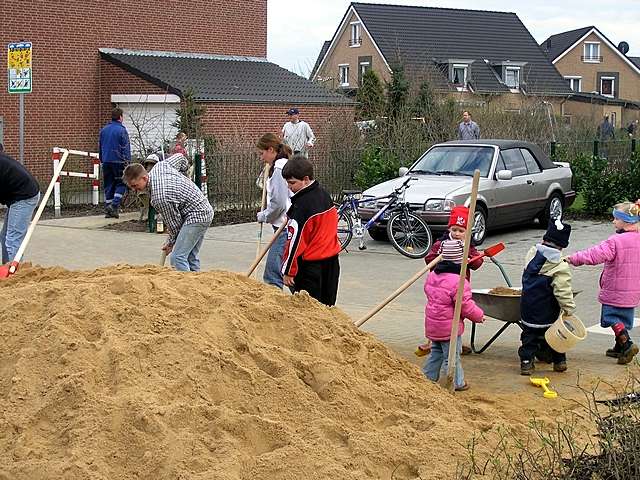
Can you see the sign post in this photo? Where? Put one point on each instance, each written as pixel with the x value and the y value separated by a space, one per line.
pixel 19 71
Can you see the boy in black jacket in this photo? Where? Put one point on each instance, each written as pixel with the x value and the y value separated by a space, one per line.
pixel 311 253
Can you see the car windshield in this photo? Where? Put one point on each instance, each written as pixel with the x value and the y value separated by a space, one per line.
pixel 455 160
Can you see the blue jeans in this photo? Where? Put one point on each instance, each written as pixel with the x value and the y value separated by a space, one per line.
pixel 114 187
pixel 184 256
pixel 611 315
pixel 439 358
pixel 15 226
pixel 273 267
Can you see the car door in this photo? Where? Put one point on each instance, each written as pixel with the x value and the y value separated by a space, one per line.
pixel 513 197
pixel 536 175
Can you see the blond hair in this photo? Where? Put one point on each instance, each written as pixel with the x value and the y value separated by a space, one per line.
pixel 629 208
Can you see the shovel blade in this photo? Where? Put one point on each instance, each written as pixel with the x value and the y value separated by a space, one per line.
pixel 493 250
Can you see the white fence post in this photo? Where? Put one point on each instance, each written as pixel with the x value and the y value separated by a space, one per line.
pixel 55 156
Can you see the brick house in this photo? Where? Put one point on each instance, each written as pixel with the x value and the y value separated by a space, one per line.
pixel 76 78
pixel 605 80
pixel 477 56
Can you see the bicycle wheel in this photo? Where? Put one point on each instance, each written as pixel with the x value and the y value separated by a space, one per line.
pixel 345 228
pixel 409 234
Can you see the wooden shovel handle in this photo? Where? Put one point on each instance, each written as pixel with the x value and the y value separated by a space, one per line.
pixel 256 262
pixel 400 289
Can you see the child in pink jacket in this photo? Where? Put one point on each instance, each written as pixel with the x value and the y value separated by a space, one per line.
pixel 620 279
pixel 441 288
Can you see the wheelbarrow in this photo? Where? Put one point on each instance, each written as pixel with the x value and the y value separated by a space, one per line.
pixel 504 307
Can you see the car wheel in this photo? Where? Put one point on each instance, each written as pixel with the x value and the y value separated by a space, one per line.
pixel 553 209
pixel 479 225
pixel 379 234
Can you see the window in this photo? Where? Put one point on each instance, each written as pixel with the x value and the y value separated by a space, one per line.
pixel 592 52
pixel 364 68
pixel 530 161
pixel 459 75
pixel 344 75
pixel 355 40
pixel 607 86
pixel 575 83
pixel 514 161
pixel 512 77
pixel 613 118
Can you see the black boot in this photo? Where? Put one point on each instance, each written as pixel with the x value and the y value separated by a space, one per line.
pixel 615 351
pixel 527 367
pixel 628 349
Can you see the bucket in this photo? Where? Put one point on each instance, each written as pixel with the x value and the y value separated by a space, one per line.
pixel 565 332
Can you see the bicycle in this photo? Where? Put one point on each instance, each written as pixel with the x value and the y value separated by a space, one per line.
pixel 407 232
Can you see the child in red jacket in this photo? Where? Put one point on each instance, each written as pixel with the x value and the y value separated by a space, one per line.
pixel 311 252
pixel 458 220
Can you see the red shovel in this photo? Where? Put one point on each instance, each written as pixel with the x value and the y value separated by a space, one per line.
pixel 491 251
pixel 10 268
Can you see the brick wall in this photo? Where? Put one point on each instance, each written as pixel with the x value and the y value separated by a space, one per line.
pixel 67 106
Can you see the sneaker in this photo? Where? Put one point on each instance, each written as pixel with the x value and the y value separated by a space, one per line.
pixel 628 353
pixel 560 366
pixel 527 367
pixel 463 388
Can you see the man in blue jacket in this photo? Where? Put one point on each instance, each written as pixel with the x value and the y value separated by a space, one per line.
pixel 115 154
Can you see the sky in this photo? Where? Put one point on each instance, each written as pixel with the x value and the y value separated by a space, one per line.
pixel 297 28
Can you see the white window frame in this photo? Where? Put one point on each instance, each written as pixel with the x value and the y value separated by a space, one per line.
pixel 590 58
pixel 613 86
pixel 343 68
pixel 572 79
pixel 461 86
pixel 355 34
pixel 512 69
pixel 363 68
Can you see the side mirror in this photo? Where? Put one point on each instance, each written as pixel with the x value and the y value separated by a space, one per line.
pixel 402 171
pixel 504 175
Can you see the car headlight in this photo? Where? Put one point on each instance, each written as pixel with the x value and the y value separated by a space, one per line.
pixel 439 205
pixel 367 202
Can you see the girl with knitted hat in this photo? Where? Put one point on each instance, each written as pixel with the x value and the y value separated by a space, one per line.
pixel 441 289
pixel 457 227
pixel 620 278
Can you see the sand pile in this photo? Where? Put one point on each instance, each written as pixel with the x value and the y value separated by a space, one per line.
pixel 148 373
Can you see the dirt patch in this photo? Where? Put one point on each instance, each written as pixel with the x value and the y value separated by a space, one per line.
pixel 129 226
pixel 505 292
pixel 143 372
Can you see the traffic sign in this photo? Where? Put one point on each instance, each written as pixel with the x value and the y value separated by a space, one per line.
pixel 19 67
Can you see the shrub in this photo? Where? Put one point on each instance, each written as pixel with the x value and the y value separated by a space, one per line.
pixel 377 165
pixel 601 183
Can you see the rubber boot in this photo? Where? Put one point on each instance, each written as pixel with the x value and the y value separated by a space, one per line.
pixel 628 348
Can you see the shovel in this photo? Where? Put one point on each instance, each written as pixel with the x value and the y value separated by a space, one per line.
pixel 10 268
pixel 491 251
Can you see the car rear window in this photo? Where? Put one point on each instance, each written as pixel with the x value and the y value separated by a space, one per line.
pixel 514 161
pixel 530 161
pixel 455 160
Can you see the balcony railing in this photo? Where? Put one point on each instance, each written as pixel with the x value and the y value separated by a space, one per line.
pixel 355 41
pixel 590 59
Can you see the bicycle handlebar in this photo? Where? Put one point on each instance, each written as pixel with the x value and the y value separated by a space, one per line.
pixel 404 185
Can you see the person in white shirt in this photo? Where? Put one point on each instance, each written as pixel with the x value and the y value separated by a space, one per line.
pixel 297 133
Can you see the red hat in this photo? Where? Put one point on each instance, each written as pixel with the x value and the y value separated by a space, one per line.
pixel 459 216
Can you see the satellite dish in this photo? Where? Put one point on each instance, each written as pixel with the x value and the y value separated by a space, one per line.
pixel 623 47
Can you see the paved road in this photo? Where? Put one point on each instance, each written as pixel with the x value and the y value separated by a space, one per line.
pixel 367 278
